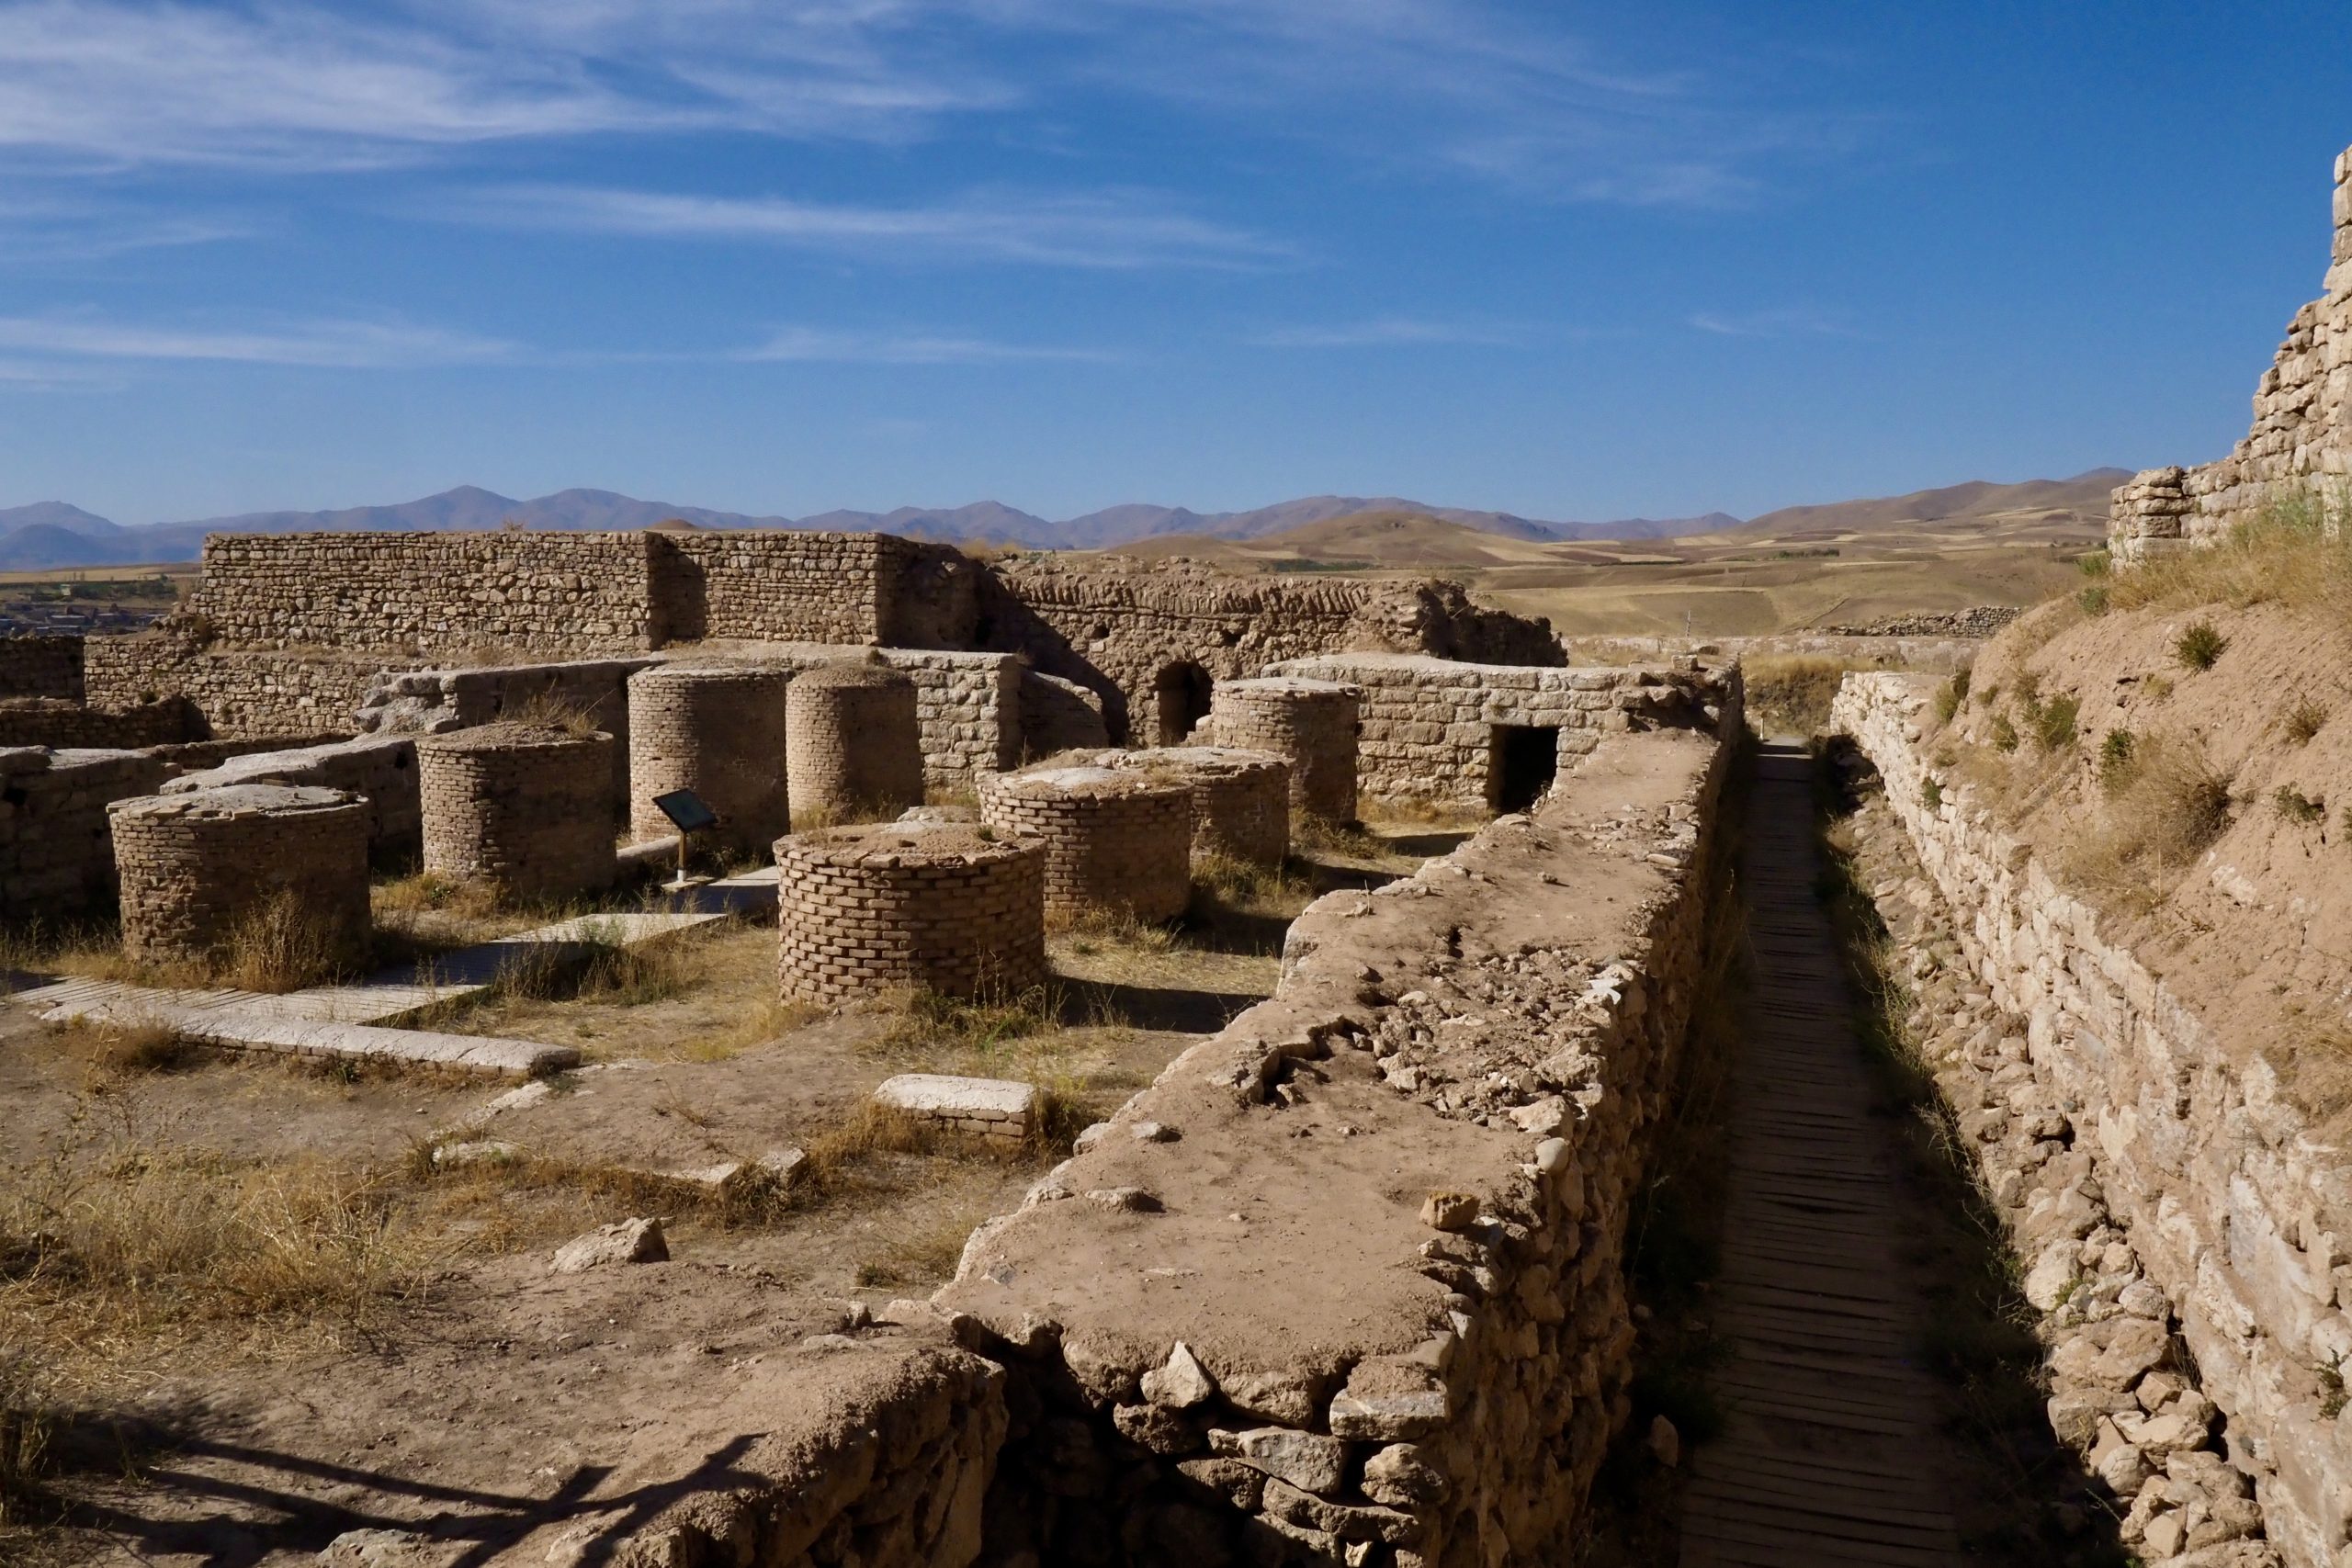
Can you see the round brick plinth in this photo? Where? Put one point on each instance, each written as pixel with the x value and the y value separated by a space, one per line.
pixel 524 807
pixel 719 731
pixel 851 747
pixel 1312 724
pixel 1240 799
pixel 1115 839
pixel 197 867
pixel 941 907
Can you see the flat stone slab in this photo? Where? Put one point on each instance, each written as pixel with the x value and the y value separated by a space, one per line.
pixel 354 1020
pixel 484 1054
pixel 990 1107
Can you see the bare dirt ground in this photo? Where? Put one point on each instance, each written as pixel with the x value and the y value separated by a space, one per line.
pixel 247 1310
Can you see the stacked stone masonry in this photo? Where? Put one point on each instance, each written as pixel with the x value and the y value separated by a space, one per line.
pixel 242 694
pixel 1115 840
pixel 719 731
pixel 2231 1204
pixel 56 847
pixel 1431 729
pixel 1123 634
pixel 33 721
pixel 898 907
pixel 1240 799
pixel 197 870
pixel 1313 726
pixel 2301 434
pixel 1457 1079
pixel 852 742
pixel 524 808
pixel 382 769
pixel 40 664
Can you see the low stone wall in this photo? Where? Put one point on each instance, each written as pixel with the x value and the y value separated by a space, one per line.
pixel 2237 1211
pixel 41 664
pixel 56 848
pixel 434 702
pixel 877 1453
pixel 381 767
pixel 1430 727
pixel 243 694
pixel 1447 1107
pixel 53 722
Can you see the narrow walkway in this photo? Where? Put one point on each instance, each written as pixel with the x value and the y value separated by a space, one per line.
pixel 1830 1453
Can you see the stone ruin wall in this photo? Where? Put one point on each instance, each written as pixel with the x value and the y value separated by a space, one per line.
pixel 381 767
pixel 2235 1207
pixel 2301 432
pixel 1484 1031
pixel 51 721
pixel 1427 723
pixel 1115 632
pixel 40 664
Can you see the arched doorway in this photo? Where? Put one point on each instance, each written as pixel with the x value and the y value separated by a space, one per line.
pixel 1182 695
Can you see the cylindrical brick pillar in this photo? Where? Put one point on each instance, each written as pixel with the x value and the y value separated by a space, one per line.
pixel 851 747
pixel 198 869
pixel 1240 799
pixel 719 731
pixel 941 907
pixel 525 807
pixel 1115 839
pixel 1312 724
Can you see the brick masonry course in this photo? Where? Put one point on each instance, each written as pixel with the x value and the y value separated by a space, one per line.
pixel 854 743
pixel 524 809
pixel 1115 840
pixel 198 868
pixel 719 731
pixel 867 911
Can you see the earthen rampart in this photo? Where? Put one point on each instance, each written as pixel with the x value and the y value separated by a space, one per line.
pixel 2301 432
pixel 2236 1205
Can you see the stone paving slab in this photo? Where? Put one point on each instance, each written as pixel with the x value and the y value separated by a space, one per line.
pixel 488 1055
pixel 354 1020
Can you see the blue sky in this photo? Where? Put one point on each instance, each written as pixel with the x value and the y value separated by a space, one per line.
pixel 782 255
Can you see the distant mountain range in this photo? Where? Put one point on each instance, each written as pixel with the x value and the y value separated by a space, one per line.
pixel 50 534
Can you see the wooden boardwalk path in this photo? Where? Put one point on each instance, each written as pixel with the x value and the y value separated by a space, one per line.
pixel 1830 1454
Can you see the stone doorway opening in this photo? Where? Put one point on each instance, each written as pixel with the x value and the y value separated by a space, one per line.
pixel 1522 762
pixel 1183 692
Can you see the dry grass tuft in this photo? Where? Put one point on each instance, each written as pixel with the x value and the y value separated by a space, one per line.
pixel 1792 692
pixel 2166 804
pixel 277 948
pixel 128 1050
pixel 551 712
pixel 2296 550
pixel 2303 722
pixel 2199 647
pixel 113 1238
pixel 429 892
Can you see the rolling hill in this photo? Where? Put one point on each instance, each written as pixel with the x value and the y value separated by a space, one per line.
pixel 1387 528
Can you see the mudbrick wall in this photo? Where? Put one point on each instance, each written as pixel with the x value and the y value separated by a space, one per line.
pixel 35 664
pixel 1448 1105
pixel 2213 1186
pixel 2301 432
pixel 1429 724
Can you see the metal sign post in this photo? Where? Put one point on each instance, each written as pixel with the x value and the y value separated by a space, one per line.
pixel 687 812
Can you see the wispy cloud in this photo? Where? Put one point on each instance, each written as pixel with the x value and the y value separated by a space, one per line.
pixel 1513 95
pixel 1393 332
pixel 1119 230
pixel 261 84
pixel 332 344
pixel 1790 321
pixel 815 345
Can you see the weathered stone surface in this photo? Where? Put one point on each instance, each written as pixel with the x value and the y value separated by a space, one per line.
pixel 627 1241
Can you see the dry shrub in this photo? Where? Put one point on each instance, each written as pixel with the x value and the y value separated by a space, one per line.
pixel 935 1027
pixel 2303 722
pixel 277 947
pixel 549 711
pixel 2200 646
pixel 430 892
pixel 1094 929
pixel 128 1050
pixel 2168 804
